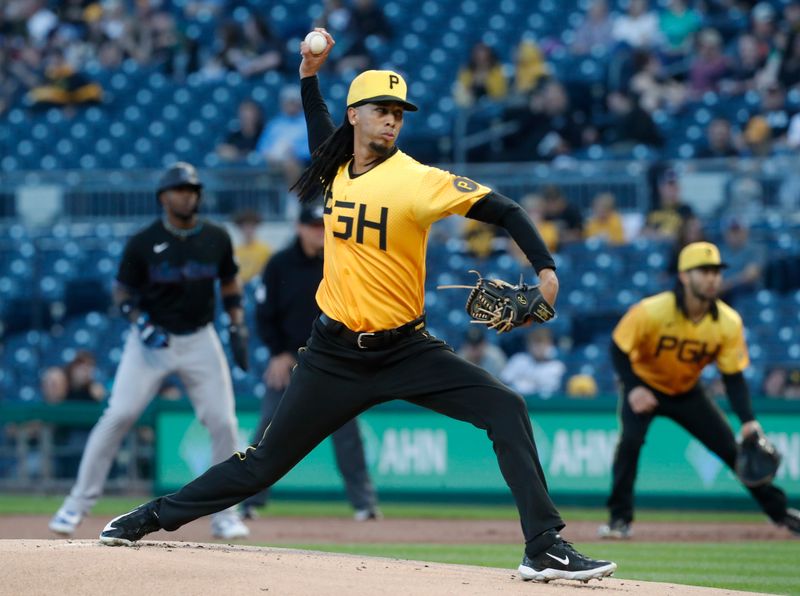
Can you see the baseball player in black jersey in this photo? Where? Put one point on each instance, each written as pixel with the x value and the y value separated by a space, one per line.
pixel 285 311
pixel 165 288
pixel 369 345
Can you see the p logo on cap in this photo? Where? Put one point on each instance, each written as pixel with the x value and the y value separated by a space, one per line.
pixel 373 86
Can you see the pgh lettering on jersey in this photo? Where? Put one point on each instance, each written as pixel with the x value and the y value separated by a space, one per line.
pixel 376 232
pixel 669 351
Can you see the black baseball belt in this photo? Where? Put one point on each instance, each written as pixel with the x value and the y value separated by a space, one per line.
pixel 372 340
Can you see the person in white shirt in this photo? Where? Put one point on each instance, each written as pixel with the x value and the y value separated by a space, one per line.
pixel 638 28
pixel 537 371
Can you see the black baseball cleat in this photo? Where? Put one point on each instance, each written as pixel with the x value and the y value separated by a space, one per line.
pixel 562 561
pixel 791 521
pixel 132 526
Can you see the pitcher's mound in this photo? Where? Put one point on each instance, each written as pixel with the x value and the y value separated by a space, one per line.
pixel 86 567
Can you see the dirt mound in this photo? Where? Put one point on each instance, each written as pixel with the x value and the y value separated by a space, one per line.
pixel 85 567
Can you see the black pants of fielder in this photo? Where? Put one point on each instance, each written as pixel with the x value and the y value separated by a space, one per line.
pixel 699 415
pixel 348 449
pixel 334 381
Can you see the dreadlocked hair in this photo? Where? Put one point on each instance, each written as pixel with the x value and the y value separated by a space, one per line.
pixel 336 151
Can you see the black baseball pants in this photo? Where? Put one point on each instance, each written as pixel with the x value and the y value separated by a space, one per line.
pixel 335 381
pixel 699 415
pixel 348 448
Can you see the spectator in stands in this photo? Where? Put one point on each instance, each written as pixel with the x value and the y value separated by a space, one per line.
pixel 605 222
pixel 758 137
pixel 476 349
pixel 628 124
pixel 81 374
pixel 250 49
pixel 782 382
pixel 677 25
pixel 62 86
pixel 719 140
pixel 563 214
pixel 747 69
pixel 530 68
pixel 655 89
pixel 773 110
pixel 546 127
pixel 537 371
pixel 745 258
pixel 789 73
pixel 243 141
pixel 251 252
pixel 665 220
pixel 362 20
pixel 595 33
pixel 709 65
pixel 638 28
pixel 762 19
pixel 482 76
pixel 54 385
pixel 284 140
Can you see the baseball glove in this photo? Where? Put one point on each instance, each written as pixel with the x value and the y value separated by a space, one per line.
pixel 502 306
pixel 757 460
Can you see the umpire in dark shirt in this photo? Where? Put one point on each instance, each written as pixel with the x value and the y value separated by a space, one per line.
pixel 285 312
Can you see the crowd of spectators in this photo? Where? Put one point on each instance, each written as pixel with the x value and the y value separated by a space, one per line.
pixel 659 60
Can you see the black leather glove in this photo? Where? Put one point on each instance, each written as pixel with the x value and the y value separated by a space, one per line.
pixel 238 342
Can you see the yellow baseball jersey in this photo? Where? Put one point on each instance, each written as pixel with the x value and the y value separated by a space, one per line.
pixel 376 235
pixel 669 351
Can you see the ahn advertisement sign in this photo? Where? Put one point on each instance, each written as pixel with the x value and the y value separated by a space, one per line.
pixel 415 451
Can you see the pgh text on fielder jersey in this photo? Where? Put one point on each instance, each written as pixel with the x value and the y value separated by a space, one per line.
pixel 668 351
pixel 376 228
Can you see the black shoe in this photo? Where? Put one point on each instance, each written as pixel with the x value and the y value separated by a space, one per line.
pixel 791 521
pixel 132 526
pixel 562 561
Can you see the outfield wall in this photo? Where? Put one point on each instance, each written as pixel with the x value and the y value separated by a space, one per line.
pixel 412 452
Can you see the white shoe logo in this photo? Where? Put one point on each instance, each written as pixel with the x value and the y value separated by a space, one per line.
pixel 159 248
pixel 564 561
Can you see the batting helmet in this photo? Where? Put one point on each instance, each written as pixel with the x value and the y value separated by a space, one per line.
pixel 179 174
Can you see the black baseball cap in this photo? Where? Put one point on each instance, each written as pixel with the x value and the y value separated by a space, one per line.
pixel 311 214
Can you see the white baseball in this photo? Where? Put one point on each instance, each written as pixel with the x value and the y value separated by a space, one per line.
pixel 316 42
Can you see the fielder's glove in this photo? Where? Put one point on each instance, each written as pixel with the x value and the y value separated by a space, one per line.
pixel 151 335
pixel 757 460
pixel 502 306
pixel 238 335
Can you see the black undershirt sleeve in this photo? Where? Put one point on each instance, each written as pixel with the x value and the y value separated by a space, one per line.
pixel 318 120
pixel 739 396
pixel 624 369
pixel 501 211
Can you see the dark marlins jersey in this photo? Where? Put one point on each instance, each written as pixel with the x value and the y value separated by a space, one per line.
pixel 174 276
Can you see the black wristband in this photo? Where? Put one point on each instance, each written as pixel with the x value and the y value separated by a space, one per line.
pixel 232 301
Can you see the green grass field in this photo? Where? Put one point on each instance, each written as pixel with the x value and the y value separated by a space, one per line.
pixel 756 566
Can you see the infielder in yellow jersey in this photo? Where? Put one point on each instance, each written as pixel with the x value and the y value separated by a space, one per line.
pixel 659 349
pixel 370 345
